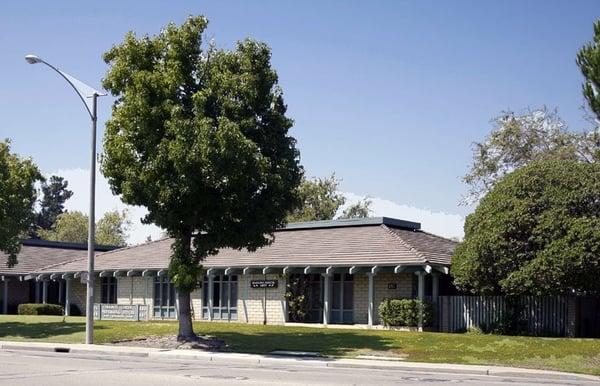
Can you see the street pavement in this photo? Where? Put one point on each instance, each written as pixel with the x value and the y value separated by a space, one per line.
pixel 23 367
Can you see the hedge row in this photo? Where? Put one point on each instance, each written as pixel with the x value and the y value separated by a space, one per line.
pixel 40 309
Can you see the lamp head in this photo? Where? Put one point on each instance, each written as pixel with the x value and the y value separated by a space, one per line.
pixel 33 59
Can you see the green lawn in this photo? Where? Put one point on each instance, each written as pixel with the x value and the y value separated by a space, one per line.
pixel 575 355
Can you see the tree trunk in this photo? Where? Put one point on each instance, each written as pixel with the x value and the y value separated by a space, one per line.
pixel 186 329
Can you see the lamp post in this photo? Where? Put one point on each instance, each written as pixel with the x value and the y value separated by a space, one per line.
pixel 84 91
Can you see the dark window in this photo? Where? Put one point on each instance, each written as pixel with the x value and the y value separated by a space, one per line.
pixel 164 298
pixel 224 297
pixel 108 290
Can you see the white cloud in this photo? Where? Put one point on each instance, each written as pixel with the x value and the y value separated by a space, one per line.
pixel 439 223
pixel 79 183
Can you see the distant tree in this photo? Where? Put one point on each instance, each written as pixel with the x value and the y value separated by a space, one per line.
pixel 319 200
pixel 112 228
pixel 517 140
pixel 588 60
pixel 536 232
pixel 199 136
pixel 72 227
pixel 17 197
pixel 54 196
pixel 360 209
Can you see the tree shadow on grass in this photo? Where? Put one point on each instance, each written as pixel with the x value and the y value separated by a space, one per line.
pixel 41 330
pixel 327 343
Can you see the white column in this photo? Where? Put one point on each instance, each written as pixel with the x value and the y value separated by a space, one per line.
pixel 210 297
pixel 421 285
pixel 435 287
pixel 130 292
pixel 370 303
pixel 67 296
pixel 5 297
pixel 37 291
pixel 421 295
pixel 326 296
pixel 44 291
pixel 60 289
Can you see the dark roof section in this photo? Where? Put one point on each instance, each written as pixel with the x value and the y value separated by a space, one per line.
pixel 36 254
pixel 354 222
pixel 65 245
pixel 366 242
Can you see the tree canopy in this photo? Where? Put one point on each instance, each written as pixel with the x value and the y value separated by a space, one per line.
pixel 536 232
pixel 54 195
pixel 199 136
pixel 518 139
pixel 588 60
pixel 360 209
pixel 319 200
pixel 17 197
pixel 72 227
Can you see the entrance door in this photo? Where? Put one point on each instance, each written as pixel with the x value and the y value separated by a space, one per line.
pixel 342 298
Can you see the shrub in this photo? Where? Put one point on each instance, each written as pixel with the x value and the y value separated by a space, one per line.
pixel 40 309
pixel 404 312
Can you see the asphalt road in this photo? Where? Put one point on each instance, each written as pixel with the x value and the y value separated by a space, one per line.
pixel 40 368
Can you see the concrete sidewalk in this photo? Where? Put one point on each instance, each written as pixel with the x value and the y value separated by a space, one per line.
pixel 224 357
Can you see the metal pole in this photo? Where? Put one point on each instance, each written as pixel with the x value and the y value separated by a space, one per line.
pixel 89 313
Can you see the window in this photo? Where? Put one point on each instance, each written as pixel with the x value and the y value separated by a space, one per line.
pixel 224 297
pixel 108 290
pixel 164 298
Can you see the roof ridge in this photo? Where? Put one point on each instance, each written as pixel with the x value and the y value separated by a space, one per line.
pixel 57 264
pixel 99 254
pixel 440 237
pixel 136 245
pixel 404 243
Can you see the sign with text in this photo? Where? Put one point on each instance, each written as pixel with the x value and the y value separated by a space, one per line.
pixel 263 283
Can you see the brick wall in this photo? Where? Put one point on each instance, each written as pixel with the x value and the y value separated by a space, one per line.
pixel 135 290
pixel 78 293
pixel 251 301
pixel 403 289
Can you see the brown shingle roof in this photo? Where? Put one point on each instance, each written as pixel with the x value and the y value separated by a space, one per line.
pixel 36 254
pixel 351 243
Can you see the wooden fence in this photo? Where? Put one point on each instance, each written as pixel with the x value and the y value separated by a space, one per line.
pixel 535 315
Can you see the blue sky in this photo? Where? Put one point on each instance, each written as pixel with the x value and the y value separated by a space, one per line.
pixel 389 95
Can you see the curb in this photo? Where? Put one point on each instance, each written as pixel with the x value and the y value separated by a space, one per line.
pixel 155 353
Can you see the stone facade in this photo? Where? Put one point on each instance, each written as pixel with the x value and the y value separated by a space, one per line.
pixel 257 305
pixel 78 293
pixel 381 282
pixel 261 305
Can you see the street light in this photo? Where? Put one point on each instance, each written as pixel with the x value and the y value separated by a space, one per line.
pixel 84 92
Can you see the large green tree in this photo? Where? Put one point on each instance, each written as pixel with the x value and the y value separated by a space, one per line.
pixel 319 199
pixel 518 139
pixel 536 232
pixel 360 209
pixel 54 195
pixel 72 227
pixel 199 136
pixel 588 60
pixel 17 197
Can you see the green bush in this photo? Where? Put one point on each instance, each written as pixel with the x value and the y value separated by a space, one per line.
pixel 404 312
pixel 40 309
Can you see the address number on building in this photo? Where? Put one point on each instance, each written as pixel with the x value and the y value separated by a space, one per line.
pixel 263 283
